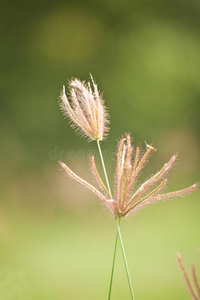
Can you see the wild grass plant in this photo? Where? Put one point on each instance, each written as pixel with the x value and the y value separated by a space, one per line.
pixel 87 113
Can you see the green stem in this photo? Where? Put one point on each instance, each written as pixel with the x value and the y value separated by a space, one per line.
pixel 118 234
pixel 113 265
pixel 125 262
pixel 104 168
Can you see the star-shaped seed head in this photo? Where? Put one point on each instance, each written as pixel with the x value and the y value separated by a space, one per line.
pixel 129 163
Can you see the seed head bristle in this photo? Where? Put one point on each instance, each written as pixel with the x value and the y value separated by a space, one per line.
pixel 97 177
pixel 82 182
pixel 195 295
pixel 195 279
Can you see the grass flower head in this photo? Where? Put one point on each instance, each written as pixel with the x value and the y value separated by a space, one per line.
pixel 129 163
pixel 86 110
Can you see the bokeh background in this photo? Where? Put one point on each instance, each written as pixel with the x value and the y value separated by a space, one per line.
pixel 56 240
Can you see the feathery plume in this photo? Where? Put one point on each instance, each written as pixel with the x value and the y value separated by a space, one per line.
pixel 85 110
pixel 129 163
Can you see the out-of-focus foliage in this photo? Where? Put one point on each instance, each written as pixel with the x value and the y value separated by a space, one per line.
pixel 55 240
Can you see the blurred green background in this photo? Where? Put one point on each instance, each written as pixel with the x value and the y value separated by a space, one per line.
pixel 56 241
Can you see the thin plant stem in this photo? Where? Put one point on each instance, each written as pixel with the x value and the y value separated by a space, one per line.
pixel 104 168
pixel 118 234
pixel 125 262
pixel 113 265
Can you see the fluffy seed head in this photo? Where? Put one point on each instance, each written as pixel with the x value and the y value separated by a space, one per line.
pixel 85 109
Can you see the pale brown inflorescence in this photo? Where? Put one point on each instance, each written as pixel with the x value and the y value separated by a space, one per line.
pixel 129 163
pixel 86 110
pixel 194 289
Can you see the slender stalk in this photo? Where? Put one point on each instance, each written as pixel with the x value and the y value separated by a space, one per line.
pixel 125 262
pixel 118 234
pixel 113 265
pixel 104 168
